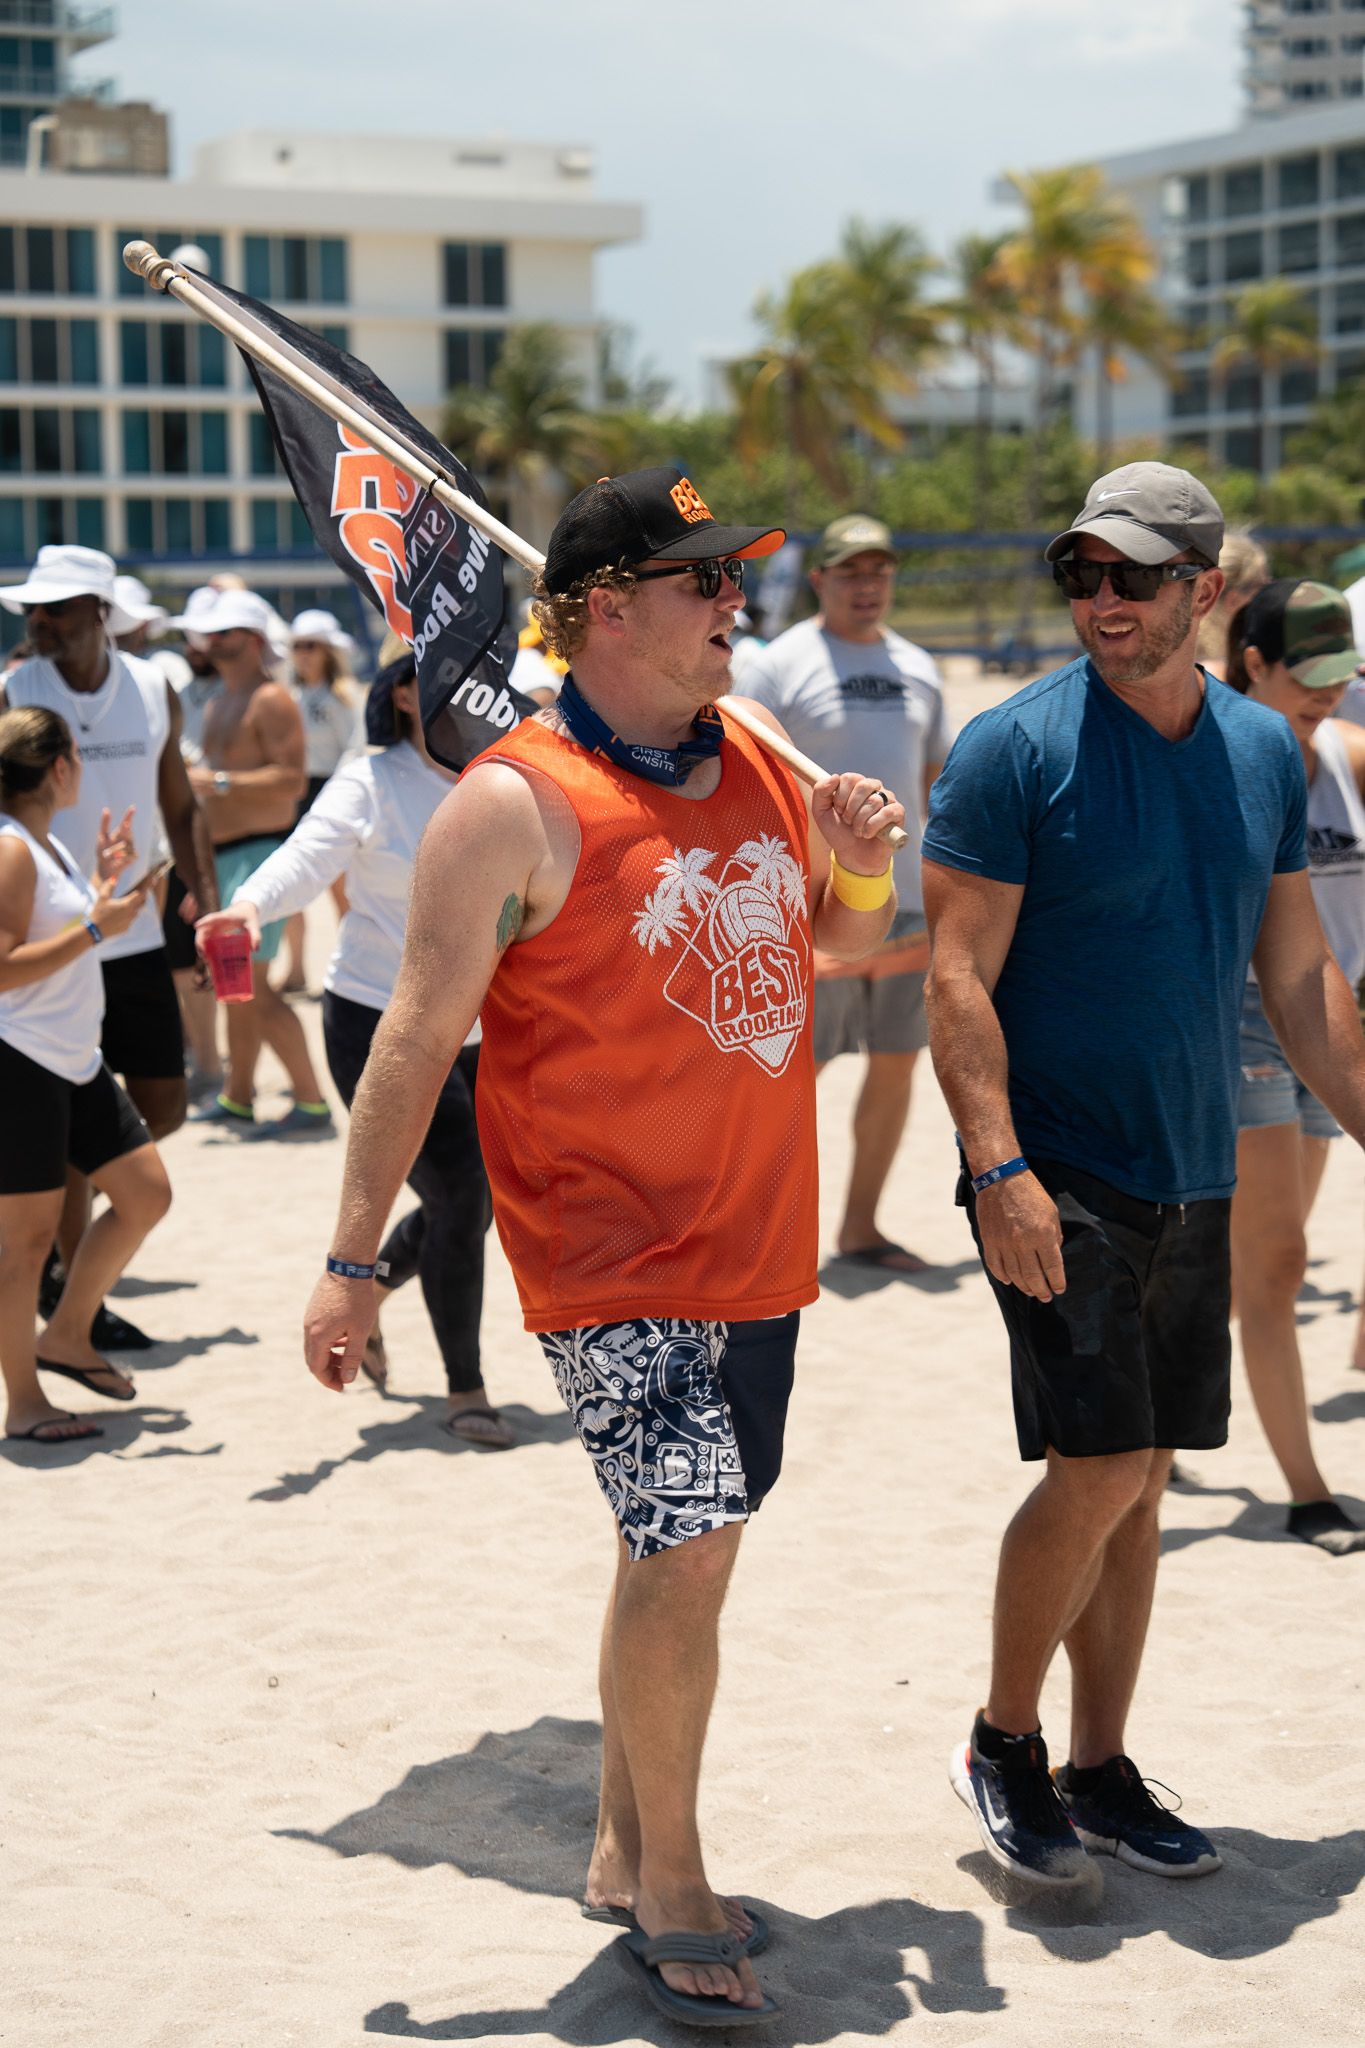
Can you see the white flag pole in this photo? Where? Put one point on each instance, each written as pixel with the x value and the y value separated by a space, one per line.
pixel 164 274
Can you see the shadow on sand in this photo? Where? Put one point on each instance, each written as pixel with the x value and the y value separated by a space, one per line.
pixel 851 1281
pixel 419 1430
pixel 521 1808
pixel 1258 1521
pixel 124 1427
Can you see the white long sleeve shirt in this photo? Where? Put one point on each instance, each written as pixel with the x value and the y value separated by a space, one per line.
pixel 365 825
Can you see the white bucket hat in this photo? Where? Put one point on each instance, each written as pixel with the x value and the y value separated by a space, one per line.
pixel 133 598
pixel 226 611
pixel 61 572
pixel 324 626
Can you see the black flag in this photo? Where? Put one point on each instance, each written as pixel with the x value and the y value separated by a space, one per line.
pixel 436 580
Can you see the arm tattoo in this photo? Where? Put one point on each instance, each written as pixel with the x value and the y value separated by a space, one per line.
pixel 509 921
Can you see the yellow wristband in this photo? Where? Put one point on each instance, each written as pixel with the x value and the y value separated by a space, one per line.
pixel 860 892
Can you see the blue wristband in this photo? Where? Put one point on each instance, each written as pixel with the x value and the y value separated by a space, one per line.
pixel 347 1269
pixel 1006 1171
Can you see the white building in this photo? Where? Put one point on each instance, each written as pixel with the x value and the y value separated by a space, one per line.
pixel 127 423
pixel 1302 52
pixel 1273 199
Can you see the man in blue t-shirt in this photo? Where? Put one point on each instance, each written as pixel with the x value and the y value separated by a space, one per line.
pixel 1104 853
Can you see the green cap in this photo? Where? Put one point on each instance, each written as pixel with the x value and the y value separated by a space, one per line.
pixel 857 533
pixel 1308 627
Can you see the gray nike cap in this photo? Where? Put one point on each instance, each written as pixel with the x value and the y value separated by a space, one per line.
pixel 1151 511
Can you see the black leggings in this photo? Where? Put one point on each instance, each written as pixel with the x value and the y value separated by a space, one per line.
pixel 442 1241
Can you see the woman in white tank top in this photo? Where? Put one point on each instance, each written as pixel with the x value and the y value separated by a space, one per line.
pixel 1293 650
pixel 59 1104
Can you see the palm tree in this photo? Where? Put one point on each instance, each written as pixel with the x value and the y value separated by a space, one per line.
pixel 1077 236
pixel 984 313
pixel 527 429
pixel 1124 319
pixel 808 381
pixel 884 272
pixel 1272 328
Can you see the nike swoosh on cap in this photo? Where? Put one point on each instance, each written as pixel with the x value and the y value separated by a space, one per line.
pixel 1113 494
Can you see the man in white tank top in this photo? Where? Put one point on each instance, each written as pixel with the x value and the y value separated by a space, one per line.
pixel 125 719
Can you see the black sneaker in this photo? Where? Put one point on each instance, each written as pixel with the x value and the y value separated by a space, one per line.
pixel 1114 1814
pixel 110 1332
pixel 1022 1821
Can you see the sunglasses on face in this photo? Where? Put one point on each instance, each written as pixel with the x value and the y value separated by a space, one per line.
pixel 1134 582
pixel 708 574
pixel 55 607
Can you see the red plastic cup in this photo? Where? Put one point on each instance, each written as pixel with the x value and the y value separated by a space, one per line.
pixel 229 956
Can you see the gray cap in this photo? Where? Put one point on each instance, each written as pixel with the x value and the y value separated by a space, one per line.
pixel 1149 510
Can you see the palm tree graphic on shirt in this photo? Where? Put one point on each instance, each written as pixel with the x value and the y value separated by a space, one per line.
pixel 741 970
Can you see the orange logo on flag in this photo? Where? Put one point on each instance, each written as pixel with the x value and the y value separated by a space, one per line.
pixel 688 502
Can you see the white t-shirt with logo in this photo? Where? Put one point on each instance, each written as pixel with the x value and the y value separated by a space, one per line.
pixel 120 730
pixel 874 709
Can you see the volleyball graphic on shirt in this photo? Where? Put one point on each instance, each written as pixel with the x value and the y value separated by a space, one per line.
pixel 739 945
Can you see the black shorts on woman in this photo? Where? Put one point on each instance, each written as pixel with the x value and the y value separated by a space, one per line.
pixel 48 1123
pixel 1136 1354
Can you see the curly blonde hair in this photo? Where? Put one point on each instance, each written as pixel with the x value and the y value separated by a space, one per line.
pixel 563 616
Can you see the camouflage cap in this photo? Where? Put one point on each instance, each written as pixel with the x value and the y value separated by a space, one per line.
pixel 1308 627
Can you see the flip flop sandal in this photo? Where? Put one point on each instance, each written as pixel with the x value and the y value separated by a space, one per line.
pixel 480 1440
pixel 760 1934
pixel 35 1435
pixel 88 1380
pixel 887 1257
pixel 641 1958
pixel 374 1361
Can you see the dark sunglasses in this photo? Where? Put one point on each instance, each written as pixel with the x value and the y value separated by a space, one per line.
pixel 55 607
pixel 1134 582
pixel 708 574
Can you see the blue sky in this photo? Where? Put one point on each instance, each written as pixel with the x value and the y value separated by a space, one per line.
pixel 748 140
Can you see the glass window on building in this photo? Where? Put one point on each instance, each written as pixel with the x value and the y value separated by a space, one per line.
pixel 1349 178
pixel 1298 246
pixel 217 525
pixel 303 269
pixel 1243 190
pixel 178 518
pixel 132 347
pixel 1197 271
pixel 213 448
pixel 1242 258
pixel 1242 391
pixel 331 258
pixel 44 364
pixel 137 517
pixel 85 353
pixel 1241 448
pixel 1298 180
pixel 475 273
pixel 85 441
pixel 1299 386
pixel 11 444
pixel 176 458
pixel 46 427
pixel 137 444
pixel 40 252
pixel 1197 197
pixel 1350 307
pixel 1191 395
pixel 80 261
pixel 1350 239
pixel 261 452
pixel 264 529
pixel 9 351
pixel 175 354
pixel 212 357
pixel 13 540
pixel 90 522
pixel 471 355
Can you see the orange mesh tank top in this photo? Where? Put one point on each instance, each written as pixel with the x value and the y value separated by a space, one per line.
pixel 646 1096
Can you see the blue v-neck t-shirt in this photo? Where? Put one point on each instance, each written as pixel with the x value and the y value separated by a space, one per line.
pixel 1145 865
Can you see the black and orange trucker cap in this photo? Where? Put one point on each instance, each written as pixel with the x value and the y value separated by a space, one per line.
pixel 648 515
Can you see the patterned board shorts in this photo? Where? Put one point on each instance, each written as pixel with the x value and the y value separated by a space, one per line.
pixel 683 1420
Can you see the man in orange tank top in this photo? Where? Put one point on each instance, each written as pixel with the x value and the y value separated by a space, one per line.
pixel 630 887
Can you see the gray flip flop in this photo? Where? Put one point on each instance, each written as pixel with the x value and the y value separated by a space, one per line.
pixel 760 1934
pixel 641 1958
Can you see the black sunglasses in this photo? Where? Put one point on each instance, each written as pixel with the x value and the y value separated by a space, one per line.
pixel 1135 582
pixel 708 574
pixel 55 607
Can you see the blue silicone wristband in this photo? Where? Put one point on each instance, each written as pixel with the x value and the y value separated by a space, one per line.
pixel 1005 1171
pixel 347 1269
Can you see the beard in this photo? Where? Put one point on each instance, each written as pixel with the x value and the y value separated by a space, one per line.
pixel 1161 638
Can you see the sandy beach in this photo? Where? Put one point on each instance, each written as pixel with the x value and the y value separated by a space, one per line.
pixel 300 1698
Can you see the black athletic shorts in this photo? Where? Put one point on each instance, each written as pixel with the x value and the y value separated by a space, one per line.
pixel 178 935
pixel 141 1038
pixel 1136 1353
pixel 47 1122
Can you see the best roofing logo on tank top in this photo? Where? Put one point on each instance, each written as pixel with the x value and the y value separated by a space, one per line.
pixel 742 946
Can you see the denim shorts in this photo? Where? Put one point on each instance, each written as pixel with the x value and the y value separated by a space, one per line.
pixel 1272 1092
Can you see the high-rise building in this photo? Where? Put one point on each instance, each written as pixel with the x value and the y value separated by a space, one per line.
pixel 1282 199
pixel 1300 53
pixel 38 40
pixel 129 424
